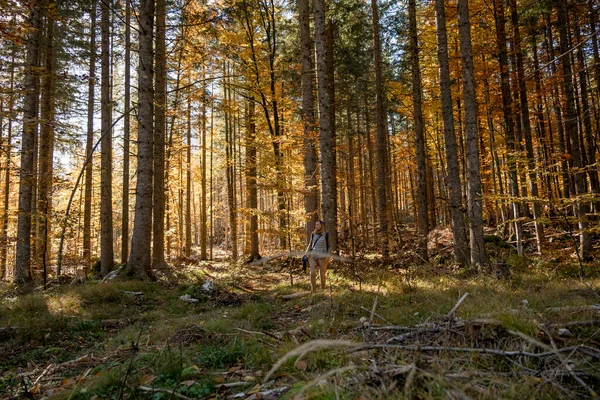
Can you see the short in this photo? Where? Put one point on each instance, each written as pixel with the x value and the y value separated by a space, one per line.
pixel 317 262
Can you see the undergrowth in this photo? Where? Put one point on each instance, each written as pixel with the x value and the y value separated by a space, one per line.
pixel 133 339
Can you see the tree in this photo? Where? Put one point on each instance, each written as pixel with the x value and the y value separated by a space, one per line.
pixel 26 178
pixel 328 179
pixel 461 251
pixel 126 136
pixel 87 208
pixel 106 217
pixel 158 227
pixel 139 258
pixel 381 114
pixel 474 187
pixel 309 123
pixel 421 154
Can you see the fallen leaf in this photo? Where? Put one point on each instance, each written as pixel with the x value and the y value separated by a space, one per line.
pixel 301 365
pixel 188 383
pixel 146 379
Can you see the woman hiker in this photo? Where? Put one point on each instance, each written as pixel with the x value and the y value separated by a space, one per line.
pixel 318 252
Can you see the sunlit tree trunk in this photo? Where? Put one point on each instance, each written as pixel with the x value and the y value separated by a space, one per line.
pixel 526 124
pixel 230 170
pixel 507 108
pixel 188 182
pixel 139 258
pixel 417 94
pixel 459 233
pixel 474 187
pixel 7 183
pixel 581 208
pixel 126 136
pixel 87 206
pixel 251 175
pixel 203 213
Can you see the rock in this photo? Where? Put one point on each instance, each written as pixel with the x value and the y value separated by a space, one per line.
pixel 564 332
pixel 188 298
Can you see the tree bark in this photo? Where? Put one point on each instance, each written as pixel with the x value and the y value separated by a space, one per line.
pixel 158 227
pixel 328 179
pixel 126 136
pixel 381 117
pixel 251 184
pixel 87 206
pixel 507 109
pixel 22 273
pixel 461 251
pixel 139 257
pixel 474 187
pixel 308 114
pixel 420 144
pixel 581 208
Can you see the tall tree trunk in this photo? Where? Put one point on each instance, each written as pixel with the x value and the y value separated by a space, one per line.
pixel 581 208
pixel 474 187
pixel 380 112
pixel 526 125
pixel 46 142
pixel 507 108
pixel 139 258
pixel 251 175
pixel 7 183
pixel 461 251
pixel 158 228
pixel 126 136
pixel 22 273
pixel 188 181
pixel 421 152
pixel 87 207
pixel 308 114
pixel 230 170
pixel 106 217
pixel 328 179
pixel 203 222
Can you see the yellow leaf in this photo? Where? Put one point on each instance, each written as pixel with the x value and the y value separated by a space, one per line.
pixel 146 379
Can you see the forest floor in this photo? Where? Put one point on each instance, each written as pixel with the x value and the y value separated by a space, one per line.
pixel 221 330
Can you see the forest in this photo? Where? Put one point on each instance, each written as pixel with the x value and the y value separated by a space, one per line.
pixel 164 163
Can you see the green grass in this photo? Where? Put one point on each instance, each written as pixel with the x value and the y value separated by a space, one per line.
pixel 174 345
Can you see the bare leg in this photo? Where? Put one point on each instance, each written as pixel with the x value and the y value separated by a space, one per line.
pixel 323 271
pixel 313 273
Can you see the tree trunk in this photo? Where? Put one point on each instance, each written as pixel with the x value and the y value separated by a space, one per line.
pixel 421 152
pixel 461 251
pixel 507 108
pixel 139 258
pixel 46 147
pixel 328 179
pixel 381 118
pixel 126 136
pixel 7 183
pixel 474 187
pixel 87 206
pixel 251 175
pixel 22 273
pixel 310 151
pixel 526 124
pixel 188 182
pixel 158 227
pixel 203 222
pixel 581 208
pixel 230 170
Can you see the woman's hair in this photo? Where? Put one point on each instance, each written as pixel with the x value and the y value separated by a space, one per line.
pixel 322 225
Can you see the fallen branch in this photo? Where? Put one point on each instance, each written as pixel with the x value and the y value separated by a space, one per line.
pixel 451 313
pixel 306 347
pixel 161 390
pixel 258 333
pixel 296 295
pixel 276 393
pixel 322 377
pixel 592 322
pixel 471 350
pixel 591 307
pixel 375 314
